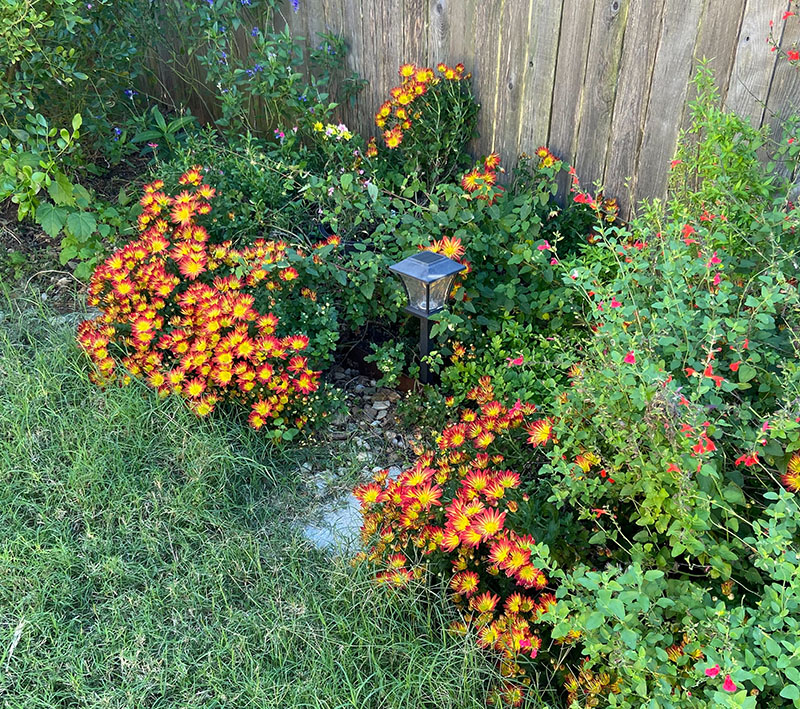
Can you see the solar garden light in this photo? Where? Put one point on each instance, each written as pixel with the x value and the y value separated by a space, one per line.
pixel 428 279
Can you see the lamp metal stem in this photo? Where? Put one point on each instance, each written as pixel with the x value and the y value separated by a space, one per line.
pixel 424 349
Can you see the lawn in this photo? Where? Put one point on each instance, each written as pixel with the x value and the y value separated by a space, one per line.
pixel 151 559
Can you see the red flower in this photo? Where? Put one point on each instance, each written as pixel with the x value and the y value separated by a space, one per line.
pixel 712 671
pixel 793 55
pixel 748 459
pixel 630 358
pixel 728 684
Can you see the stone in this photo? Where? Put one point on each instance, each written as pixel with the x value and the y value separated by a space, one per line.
pixel 338 528
pixel 380 405
pixel 382 414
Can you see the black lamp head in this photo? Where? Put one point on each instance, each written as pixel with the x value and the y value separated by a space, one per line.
pixel 428 279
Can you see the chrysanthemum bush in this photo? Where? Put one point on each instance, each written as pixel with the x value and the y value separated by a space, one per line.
pixel 205 321
pixel 427 121
pixel 460 514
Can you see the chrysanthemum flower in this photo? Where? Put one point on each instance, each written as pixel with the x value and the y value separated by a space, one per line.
pixel 471 181
pixel 407 70
pixel 540 432
pixel 499 551
pixel 485 602
pixel 489 523
pixel 427 496
pixel 492 162
pixel 791 480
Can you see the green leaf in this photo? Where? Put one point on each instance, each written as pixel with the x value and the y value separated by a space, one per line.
pixel 595 620
pixel 159 118
pixel 346 180
pixel 790 691
pixel 77 121
pixel 373 191
pixel 81 225
pixel 60 190
pixel 617 607
pixel 746 373
pixel 50 218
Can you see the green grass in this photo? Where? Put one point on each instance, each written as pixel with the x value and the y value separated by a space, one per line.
pixel 148 559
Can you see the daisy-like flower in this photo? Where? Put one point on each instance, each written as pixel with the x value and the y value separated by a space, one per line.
pixel 492 162
pixel 451 247
pixel 540 432
pixel 471 181
pixel 791 479
pixel 485 602
pixel 427 496
pixel 530 577
pixel 297 342
pixel 407 70
pixel 500 550
pixel 489 523
pixel 465 583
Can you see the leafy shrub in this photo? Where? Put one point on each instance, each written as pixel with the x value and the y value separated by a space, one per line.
pixel 196 317
pixel 660 498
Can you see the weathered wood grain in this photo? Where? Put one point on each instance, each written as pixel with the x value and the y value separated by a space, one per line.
pixel 357 115
pixel 602 75
pixel 513 41
pixel 539 62
pixel 487 68
pixel 784 95
pixel 668 89
pixel 415 31
pixel 753 66
pixel 633 92
pixel 577 17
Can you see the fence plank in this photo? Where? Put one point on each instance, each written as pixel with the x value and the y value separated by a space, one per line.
pixel 486 71
pixel 753 65
pixel 539 63
pixel 573 49
pixel 415 31
pixel 602 74
pixel 784 95
pixel 667 95
pixel 359 113
pixel 633 91
pixel 513 43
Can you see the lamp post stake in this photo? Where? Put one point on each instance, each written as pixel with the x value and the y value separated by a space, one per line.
pixel 424 349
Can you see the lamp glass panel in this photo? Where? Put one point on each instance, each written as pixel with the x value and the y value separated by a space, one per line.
pixel 439 290
pixel 417 293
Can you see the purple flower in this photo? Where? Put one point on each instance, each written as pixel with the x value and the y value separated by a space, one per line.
pixel 117 133
pixel 130 93
pixel 295 5
pixel 245 2
pixel 210 2
pixel 254 32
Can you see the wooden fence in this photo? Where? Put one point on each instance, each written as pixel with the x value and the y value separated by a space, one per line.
pixel 603 83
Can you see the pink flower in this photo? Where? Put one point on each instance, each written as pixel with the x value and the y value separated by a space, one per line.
pixel 615 303
pixel 630 358
pixel 545 246
pixel 712 671
pixel 714 260
pixel 717 279
pixel 554 261
pixel 515 362
pixel 728 684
